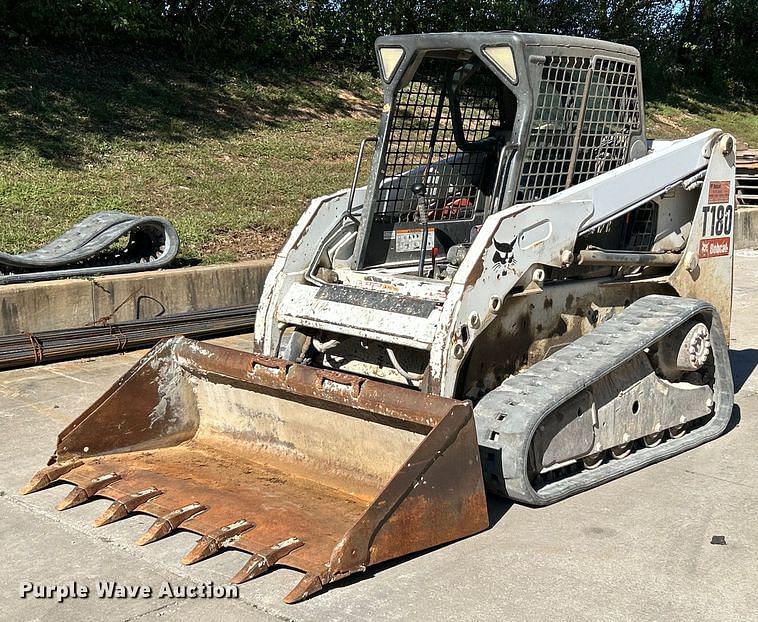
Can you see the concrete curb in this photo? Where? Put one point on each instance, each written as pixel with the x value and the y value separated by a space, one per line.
pixel 746 230
pixel 51 305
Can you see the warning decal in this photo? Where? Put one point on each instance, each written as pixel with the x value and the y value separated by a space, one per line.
pixel 408 240
pixel 718 192
pixel 714 247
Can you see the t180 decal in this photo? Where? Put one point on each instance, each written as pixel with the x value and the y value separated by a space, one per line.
pixel 717 220
pixel 716 240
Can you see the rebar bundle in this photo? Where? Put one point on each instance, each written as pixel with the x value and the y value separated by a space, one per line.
pixel 24 349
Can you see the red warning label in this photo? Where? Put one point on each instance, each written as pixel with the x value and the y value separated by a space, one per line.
pixel 718 192
pixel 714 247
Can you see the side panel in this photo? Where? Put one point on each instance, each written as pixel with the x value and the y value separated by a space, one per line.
pixel 537 323
pixel 509 246
pixel 293 262
pixel 706 270
pixel 519 240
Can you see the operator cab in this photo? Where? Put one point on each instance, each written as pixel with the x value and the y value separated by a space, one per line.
pixel 450 120
pixel 476 122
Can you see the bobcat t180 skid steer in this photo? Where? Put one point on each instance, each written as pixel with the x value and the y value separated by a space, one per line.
pixel 526 297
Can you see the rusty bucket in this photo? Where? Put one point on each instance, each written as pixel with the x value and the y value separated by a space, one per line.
pixel 316 470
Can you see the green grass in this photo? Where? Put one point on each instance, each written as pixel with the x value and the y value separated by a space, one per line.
pixel 230 157
pixel 684 113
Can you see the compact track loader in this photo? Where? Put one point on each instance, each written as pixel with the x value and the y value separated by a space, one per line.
pixel 527 297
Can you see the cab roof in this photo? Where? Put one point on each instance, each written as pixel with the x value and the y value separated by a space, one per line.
pixel 473 40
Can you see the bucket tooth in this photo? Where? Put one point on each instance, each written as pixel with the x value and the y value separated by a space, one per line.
pixel 44 477
pixel 261 562
pixel 216 541
pixel 121 508
pixel 309 585
pixel 165 525
pixel 80 494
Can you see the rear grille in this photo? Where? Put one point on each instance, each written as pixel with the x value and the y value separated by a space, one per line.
pixel 422 145
pixel 747 178
pixel 585 114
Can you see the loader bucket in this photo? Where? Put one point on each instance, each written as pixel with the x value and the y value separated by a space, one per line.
pixel 317 470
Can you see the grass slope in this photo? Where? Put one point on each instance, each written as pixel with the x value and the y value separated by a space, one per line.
pixel 231 158
pixel 684 113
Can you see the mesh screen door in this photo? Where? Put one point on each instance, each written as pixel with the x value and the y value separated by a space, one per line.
pixel 585 113
pixel 441 133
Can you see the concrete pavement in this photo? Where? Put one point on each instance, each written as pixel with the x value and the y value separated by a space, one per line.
pixel 639 547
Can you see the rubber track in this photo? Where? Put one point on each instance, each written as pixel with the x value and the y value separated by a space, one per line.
pixel 75 252
pixel 512 412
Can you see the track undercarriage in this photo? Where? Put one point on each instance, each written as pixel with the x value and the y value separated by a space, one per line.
pixel 646 385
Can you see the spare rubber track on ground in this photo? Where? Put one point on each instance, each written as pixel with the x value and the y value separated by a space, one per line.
pixel 88 248
pixel 25 349
pixel 512 412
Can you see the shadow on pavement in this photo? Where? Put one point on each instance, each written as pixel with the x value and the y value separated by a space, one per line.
pixel 734 421
pixel 744 363
pixel 497 507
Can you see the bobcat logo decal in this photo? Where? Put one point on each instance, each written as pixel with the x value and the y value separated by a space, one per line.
pixel 503 255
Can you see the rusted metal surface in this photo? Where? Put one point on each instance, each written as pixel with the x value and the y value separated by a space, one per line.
pixel 330 472
pixel 263 561
pixel 44 477
pixel 317 470
pixel 169 523
pixel 121 508
pixel 84 491
pixel 539 323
